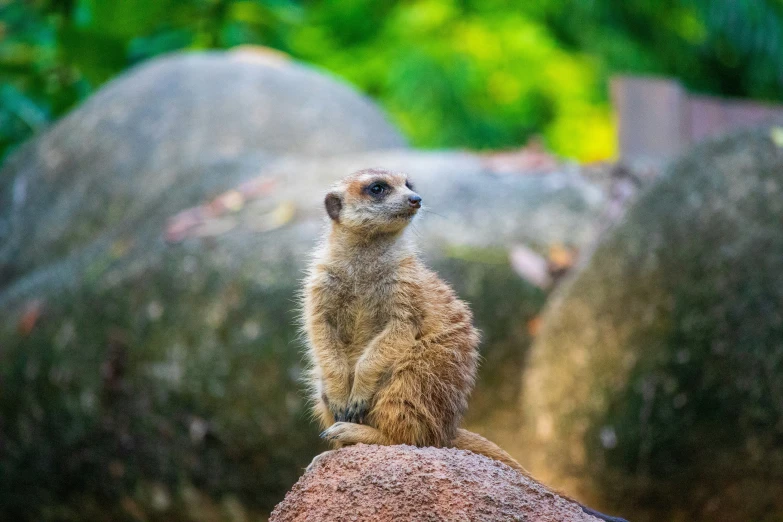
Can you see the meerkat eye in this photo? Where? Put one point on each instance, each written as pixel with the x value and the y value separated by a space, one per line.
pixel 377 188
pixel 409 184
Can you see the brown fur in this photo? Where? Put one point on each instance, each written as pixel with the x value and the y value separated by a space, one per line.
pixel 393 351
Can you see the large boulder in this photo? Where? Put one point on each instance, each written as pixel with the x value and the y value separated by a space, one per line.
pixel 405 483
pixel 130 150
pixel 656 385
pixel 159 372
pixel 149 356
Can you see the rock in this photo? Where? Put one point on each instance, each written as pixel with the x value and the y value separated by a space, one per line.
pixel 398 483
pixel 655 388
pixel 164 364
pixel 142 142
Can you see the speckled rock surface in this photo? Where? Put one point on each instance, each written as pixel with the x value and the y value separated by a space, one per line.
pixel 404 483
pixel 655 388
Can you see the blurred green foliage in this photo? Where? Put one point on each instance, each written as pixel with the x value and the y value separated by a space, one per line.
pixel 451 73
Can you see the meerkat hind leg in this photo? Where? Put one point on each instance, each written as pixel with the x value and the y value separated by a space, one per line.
pixel 317 458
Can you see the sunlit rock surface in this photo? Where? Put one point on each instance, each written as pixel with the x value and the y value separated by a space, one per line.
pixel 656 386
pixel 402 483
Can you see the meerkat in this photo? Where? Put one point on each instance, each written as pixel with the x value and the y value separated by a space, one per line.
pixel 393 350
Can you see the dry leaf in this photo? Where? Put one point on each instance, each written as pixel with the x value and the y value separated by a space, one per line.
pixel 258 187
pixel 561 258
pixel 179 226
pixel 215 227
pixel 531 158
pixel 30 315
pixel 232 201
pixel 282 214
pixel 197 222
pixel 534 326
pixel 530 266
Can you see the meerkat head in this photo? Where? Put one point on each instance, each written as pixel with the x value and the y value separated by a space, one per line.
pixel 373 200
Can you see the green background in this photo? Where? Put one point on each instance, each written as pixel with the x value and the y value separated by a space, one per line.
pixel 451 73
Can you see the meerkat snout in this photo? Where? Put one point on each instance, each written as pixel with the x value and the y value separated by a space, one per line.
pixel 414 200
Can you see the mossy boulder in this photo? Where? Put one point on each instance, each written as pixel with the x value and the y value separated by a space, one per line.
pixel 655 389
pixel 140 145
pixel 157 375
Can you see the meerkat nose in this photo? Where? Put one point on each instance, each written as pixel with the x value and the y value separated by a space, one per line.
pixel 414 201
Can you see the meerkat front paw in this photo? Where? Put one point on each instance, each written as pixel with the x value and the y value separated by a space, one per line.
pixel 347 433
pixel 338 432
pixel 337 408
pixel 357 410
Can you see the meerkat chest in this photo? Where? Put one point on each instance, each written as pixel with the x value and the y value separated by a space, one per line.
pixel 359 309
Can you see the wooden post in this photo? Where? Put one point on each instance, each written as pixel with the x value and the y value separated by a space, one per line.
pixel 652 115
pixel 657 118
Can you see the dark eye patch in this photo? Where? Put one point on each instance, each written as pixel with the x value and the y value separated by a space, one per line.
pixel 409 184
pixel 377 189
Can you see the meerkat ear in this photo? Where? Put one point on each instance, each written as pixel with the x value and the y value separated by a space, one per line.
pixel 334 204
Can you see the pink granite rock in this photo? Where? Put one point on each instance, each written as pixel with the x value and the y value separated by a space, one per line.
pixel 399 483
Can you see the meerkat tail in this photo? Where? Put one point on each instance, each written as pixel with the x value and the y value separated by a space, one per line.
pixel 467 440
